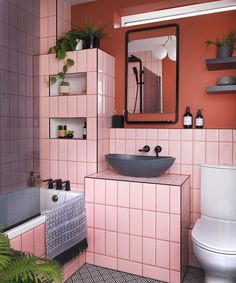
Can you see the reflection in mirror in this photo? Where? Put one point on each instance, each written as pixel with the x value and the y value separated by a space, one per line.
pixel 152 74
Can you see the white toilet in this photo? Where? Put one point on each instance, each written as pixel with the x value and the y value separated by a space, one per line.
pixel 214 234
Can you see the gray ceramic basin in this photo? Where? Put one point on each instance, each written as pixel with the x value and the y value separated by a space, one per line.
pixel 139 165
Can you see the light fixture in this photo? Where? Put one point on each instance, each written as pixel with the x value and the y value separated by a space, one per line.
pixel 160 51
pixel 179 12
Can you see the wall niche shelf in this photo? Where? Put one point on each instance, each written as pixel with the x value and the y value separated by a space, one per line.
pixel 78 84
pixel 221 89
pixel 74 124
pixel 221 63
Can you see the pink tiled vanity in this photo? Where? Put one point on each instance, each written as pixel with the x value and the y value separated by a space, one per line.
pixel 139 225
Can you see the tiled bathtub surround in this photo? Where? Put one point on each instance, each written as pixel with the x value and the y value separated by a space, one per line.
pixel 135 225
pixel 190 147
pixel 33 241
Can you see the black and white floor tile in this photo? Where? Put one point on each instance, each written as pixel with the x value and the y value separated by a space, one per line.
pixel 90 273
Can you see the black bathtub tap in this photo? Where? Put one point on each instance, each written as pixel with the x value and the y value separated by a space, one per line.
pixel 67 185
pixel 146 148
pixel 50 186
pixel 158 149
pixel 58 184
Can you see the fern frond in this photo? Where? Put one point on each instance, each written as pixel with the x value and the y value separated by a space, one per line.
pixel 27 268
pixel 5 251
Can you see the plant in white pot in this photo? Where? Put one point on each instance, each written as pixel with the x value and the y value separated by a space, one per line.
pixel 225 47
pixel 64 87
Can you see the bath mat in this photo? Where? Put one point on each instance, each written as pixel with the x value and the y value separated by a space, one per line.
pixel 66 229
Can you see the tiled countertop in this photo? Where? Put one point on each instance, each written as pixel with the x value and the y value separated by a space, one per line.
pixel 164 179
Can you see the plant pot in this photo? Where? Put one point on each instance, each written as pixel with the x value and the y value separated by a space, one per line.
pixel 64 89
pixel 224 51
pixel 91 42
pixel 70 136
pixel 79 45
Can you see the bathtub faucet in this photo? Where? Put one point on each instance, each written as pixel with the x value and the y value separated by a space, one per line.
pixel 51 183
pixel 67 185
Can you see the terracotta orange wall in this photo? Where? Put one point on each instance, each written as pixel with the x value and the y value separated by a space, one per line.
pixel 219 110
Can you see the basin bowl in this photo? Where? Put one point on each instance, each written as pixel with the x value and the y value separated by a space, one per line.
pixel 139 165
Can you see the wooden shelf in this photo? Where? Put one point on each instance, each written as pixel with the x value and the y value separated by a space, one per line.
pixel 221 89
pixel 221 63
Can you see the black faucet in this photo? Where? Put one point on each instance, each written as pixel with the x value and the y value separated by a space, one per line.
pixel 67 185
pixel 146 148
pixel 51 183
pixel 50 186
pixel 158 149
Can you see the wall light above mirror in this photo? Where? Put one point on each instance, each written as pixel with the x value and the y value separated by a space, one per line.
pixel 152 72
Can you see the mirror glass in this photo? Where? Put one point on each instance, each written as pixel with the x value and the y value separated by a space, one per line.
pixel 152 75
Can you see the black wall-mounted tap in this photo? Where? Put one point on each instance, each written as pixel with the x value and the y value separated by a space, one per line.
pixel 158 149
pixel 67 185
pixel 146 148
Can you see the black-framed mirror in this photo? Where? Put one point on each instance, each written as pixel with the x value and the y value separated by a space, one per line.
pixel 152 75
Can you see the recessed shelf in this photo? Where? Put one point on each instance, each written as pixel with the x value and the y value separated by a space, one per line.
pixel 221 89
pixel 221 63
pixel 73 124
pixel 78 84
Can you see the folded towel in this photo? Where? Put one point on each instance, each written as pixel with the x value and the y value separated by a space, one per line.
pixel 66 229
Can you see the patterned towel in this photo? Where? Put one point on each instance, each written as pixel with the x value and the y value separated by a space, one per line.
pixel 66 229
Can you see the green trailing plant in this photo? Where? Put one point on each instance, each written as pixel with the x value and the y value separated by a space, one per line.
pixel 18 267
pixel 228 40
pixel 62 74
pixel 70 132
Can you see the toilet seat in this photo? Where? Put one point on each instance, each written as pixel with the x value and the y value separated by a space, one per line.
pixel 215 235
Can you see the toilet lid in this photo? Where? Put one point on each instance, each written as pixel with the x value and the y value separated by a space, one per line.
pixel 215 235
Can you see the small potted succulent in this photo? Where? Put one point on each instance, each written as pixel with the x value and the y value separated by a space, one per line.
pixel 64 88
pixel 225 47
pixel 70 134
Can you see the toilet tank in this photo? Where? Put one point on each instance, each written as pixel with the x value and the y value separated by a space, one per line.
pixel 218 191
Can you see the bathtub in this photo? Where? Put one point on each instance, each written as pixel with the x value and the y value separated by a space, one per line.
pixel 22 209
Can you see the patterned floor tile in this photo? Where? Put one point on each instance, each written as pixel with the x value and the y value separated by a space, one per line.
pixel 89 273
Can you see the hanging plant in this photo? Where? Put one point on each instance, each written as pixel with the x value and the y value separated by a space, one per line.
pixel 64 44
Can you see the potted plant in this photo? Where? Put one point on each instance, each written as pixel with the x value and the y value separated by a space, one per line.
pixel 18 267
pixel 225 46
pixel 92 34
pixel 70 134
pixel 64 88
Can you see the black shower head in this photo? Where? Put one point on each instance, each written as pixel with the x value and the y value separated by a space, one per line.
pixel 133 58
pixel 136 74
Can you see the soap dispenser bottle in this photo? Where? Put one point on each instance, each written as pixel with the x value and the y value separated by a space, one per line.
pixel 39 181
pixel 31 181
pixel 85 130
pixel 199 119
pixel 188 118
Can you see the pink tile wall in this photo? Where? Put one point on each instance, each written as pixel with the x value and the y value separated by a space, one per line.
pixel 190 147
pixel 18 44
pixel 54 18
pixel 105 104
pixel 130 231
